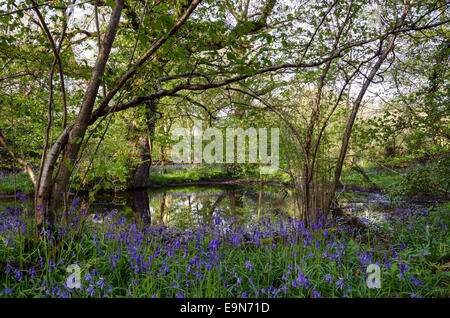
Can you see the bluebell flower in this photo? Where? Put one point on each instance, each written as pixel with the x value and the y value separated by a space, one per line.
pixel 316 294
pixel 101 283
pixel 18 274
pixel 91 290
pixel 7 291
pixel 179 294
pixel 414 280
pixel 340 283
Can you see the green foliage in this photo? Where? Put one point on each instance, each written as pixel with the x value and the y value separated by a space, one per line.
pixel 432 180
pixel 381 177
pixel 191 174
pixel 19 182
pixel 429 180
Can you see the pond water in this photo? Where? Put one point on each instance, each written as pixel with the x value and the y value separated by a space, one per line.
pixel 189 206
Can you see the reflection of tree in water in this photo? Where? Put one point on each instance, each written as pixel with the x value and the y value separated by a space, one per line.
pixel 190 207
pixel 140 204
pixel 166 203
pixel 161 206
pixel 237 205
pixel 193 208
pixel 184 209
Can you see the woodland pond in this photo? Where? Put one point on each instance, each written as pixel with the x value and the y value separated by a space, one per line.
pixel 186 207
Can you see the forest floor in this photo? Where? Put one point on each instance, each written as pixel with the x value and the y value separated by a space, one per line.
pixel 270 258
pixel 114 257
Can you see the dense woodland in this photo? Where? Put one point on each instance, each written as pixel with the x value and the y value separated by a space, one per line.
pixel 91 92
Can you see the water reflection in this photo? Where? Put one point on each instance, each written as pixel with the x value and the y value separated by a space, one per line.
pixel 191 206
pixel 187 207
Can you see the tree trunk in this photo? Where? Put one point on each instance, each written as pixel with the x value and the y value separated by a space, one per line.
pixel 141 173
pixel 49 190
pixel 331 195
pixel 48 197
pixel 145 145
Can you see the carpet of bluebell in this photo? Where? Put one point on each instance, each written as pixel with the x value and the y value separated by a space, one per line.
pixel 279 257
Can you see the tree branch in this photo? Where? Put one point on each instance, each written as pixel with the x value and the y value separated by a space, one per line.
pixel 153 48
pixel 28 167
